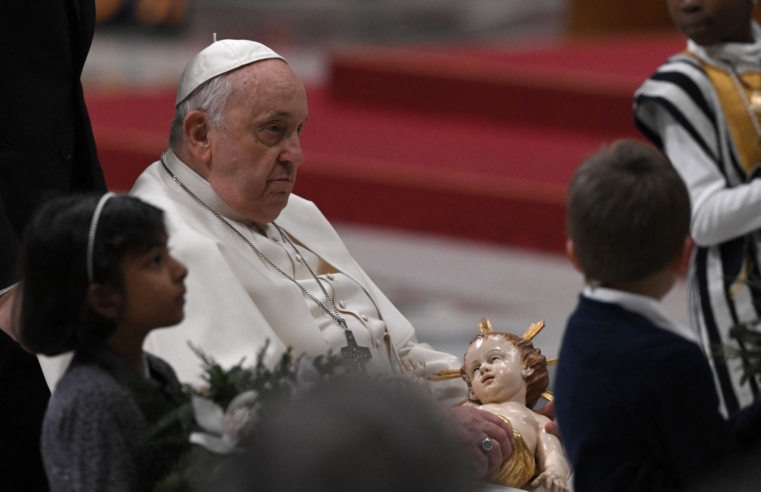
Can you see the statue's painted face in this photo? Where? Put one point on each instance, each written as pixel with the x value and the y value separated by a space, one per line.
pixel 496 371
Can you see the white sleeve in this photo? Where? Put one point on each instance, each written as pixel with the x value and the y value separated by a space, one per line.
pixel 447 392
pixel 718 213
pixel 408 348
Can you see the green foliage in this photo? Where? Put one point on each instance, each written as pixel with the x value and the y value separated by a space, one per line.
pixel 225 384
pixel 328 365
pixel 747 338
pixel 748 349
pixel 175 420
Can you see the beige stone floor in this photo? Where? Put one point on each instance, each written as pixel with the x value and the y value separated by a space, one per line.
pixel 444 286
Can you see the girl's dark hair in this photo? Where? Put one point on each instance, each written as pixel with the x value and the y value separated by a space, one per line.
pixel 55 314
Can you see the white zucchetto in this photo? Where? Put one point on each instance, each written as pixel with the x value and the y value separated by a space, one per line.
pixel 220 57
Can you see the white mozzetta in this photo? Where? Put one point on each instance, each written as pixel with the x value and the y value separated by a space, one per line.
pixel 236 302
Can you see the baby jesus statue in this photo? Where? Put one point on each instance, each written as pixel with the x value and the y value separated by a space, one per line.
pixel 506 376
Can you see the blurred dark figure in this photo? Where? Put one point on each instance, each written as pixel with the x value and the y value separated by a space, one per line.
pixel 349 437
pixel 46 147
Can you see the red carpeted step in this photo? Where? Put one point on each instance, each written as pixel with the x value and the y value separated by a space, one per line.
pixel 456 176
pixel 581 85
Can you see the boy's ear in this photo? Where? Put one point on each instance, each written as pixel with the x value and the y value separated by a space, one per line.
pixel 681 264
pixel 570 251
pixel 105 301
pixel 527 372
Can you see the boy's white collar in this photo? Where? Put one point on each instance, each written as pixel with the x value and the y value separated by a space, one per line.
pixel 648 307
pixel 744 57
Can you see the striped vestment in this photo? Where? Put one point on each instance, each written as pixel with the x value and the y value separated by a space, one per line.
pixel 693 112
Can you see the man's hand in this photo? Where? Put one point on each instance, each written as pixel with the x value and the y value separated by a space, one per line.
pixel 548 411
pixel 476 425
pixel 7 320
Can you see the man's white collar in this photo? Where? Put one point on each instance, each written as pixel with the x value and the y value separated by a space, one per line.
pixel 744 57
pixel 201 188
pixel 647 307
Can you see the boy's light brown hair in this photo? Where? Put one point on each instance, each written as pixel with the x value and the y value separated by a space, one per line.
pixel 628 214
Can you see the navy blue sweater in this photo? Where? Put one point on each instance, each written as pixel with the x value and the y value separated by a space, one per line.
pixel 637 405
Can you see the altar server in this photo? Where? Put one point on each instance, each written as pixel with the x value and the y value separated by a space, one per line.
pixel 702 108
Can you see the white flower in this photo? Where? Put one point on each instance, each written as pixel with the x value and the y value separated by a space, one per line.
pixel 306 373
pixel 223 428
pixel 307 377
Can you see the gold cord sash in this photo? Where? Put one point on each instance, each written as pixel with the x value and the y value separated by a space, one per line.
pixel 736 112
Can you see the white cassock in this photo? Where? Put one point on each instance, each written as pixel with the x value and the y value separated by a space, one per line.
pixel 236 302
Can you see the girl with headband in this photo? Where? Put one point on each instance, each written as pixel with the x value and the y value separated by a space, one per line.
pixel 97 278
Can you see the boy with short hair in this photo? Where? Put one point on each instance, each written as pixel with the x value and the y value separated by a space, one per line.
pixel 702 109
pixel 635 398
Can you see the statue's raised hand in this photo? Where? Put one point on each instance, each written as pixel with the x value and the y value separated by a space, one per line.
pixel 552 480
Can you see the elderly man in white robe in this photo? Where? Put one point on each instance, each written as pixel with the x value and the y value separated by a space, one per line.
pixel 265 264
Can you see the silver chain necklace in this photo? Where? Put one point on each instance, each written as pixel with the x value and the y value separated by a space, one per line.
pixel 358 355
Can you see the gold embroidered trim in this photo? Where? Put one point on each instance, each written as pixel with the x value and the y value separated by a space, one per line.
pixel 741 127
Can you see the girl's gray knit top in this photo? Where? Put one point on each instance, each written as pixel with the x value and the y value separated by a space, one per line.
pixel 94 425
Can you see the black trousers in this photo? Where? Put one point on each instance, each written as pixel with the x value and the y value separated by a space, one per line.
pixel 24 397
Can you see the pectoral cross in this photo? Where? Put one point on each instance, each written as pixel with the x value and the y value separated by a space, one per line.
pixel 356 354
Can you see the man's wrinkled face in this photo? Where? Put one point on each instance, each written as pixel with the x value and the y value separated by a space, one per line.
pixel 256 152
pixel 709 22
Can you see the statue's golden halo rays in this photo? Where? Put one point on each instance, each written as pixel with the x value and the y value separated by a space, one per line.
pixel 533 331
pixel 485 327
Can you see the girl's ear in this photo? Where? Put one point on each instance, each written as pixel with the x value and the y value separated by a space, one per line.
pixel 105 301
pixel 527 372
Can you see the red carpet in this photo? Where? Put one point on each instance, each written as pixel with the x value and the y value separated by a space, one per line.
pixel 583 85
pixel 385 161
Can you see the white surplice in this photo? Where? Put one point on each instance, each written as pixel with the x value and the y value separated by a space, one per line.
pixel 235 301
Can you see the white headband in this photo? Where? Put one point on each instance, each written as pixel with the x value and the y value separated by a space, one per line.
pixel 93 229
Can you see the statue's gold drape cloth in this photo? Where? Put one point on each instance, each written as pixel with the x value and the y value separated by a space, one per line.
pixel 518 469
